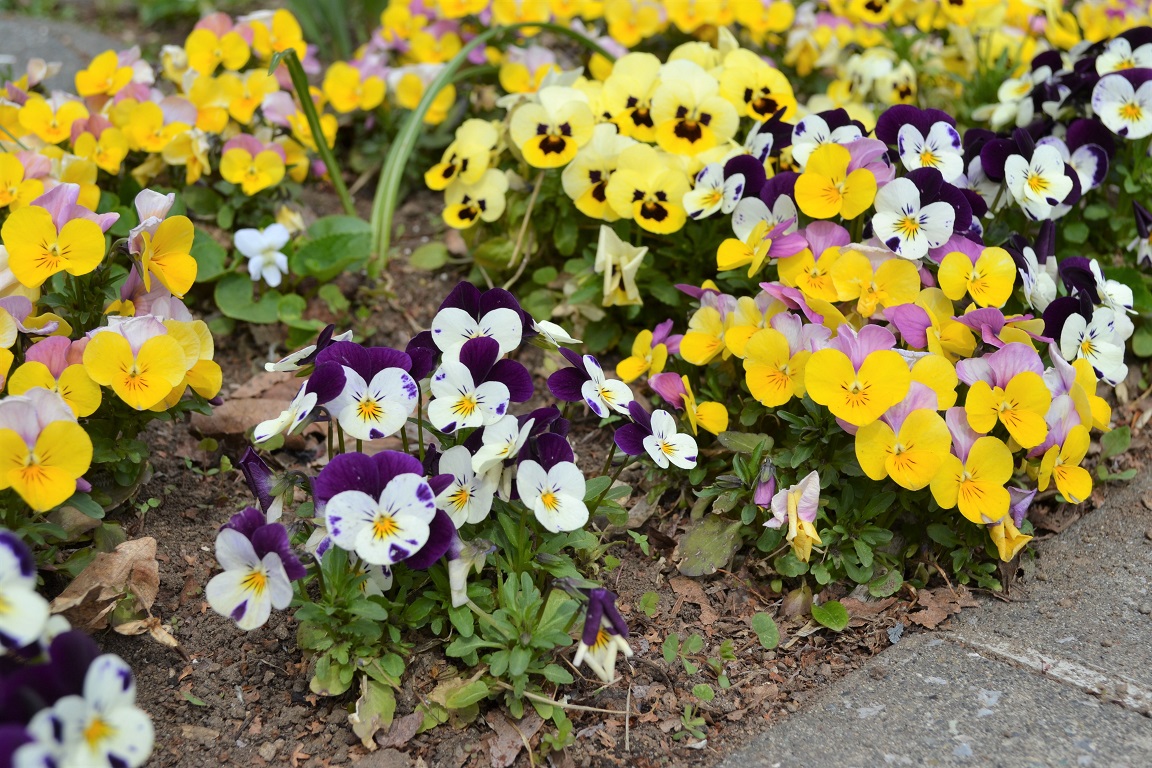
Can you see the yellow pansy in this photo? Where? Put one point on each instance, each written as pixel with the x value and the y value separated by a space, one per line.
pixel 912 456
pixel 45 474
pixel 168 255
pixel 827 189
pixel 1062 464
pixel 107 151
pixel 858 397
pixel 688 112
pixel 252 174
pixel 756 88
pixel 146 130
pixel 894 282
pixel 16 191
pixel 410 89
pixel 705 337
pixel 976 486
pixel 773 374
pixel 1007 538
pixel 248 93
pixel 140 379
pixel 709 416
pixel 648 189
pixel 627 95
pixel 467 157
pixel 585 179
pixel 466 204
pixel 104 76
pixel 551 131
pixel 206 51
pixel 646 358
pixel 989 281
pixel 74 385
pixel 48 121
pixel 347 90
pixel 277 34
pixel 1020 406
pixel 36 250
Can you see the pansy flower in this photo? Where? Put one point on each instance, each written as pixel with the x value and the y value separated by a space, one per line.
pixel 1097 341
pixel 861 383
pixel 252 165
pixel 137 358
pixel 54 234
pixel 604 636
pixel 468 497
pixel 555 494
pixel 468 313
pixel 973 476
pixel 475 390
pixel 501 442
pixel 585 381
pixel 382 508
pixel 306 356
pixel 378 394
pixel 988 278
pixel 585 179
pixel 325 383
pixel 834 127
pixel 755 87
pixel 467 157
pixel 1040 183
pixel 551 130
pixel 648 189
pixel 259 567
pixel 619 262
pixel 465 204
pixel 677 390
pixel 908 443
pixel 904 225
pixel 656 434
pixel 649 353
pixel 47 365
pixel 827 188
pixel 1067 445
pixel 627 95
pixel 1123 102
pixel 713 191
pixel 797 506
pixel 688 111
pixel 773 371
pixel 23 612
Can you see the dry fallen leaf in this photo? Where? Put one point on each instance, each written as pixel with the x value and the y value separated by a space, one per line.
pixel 510 737
pixel 130 569
pixel 401 732
pixel 936 605
pixel 689 590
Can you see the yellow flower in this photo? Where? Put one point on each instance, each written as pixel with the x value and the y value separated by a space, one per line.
pixel 977 485
pixel 249 93
pixel 168 256
pixel 146 130
pixel 646 358
pixel 774 375
pixel 49 122
pixel 207 51
pixel 939 375
pixel 858 397
pixel 705 337
pixel 505 12
pixel 912 457
pixel 203 375
pixel 467 157
pixel 585 179
pixel 45 474
pixel 757 89
pixel 347 91
pixel 410 89
pixel 649 189
pixel 515 77
pixel 189 149
pixel 947 336
pixel 465 204
pixel 279 34
pixel 1007 538
pixel 107 152
pixel 1062 464
pixel 618 262
pixel 812 276
pixel 894 282
pixel 74 386
pixel 16 191
pixel 1020 406
pixel 989 281
pixel 449 9
pixel 36 250
pixel 252 174
pixel 302 129
pixel 826 189
pixel 688 111
pixel 709 416
pixel 551 131
pixel 630 21
pixel 749 317
pixel 104 76
pixel 140 379
pixel 627 95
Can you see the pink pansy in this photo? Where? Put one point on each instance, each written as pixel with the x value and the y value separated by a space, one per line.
pixel 61 203
pixel 990 321
pixel 151 208
pixel 662 334
pixel 872 156
pixel 277 107
pixel 36 166
pixel 669 386
pixel 920 397
pixel 20 307
pixel 177 109
pixel 28 414
pixel 52 353
pixel 95 125
pixel 857 345
pixel 1000 367
pixel 800 335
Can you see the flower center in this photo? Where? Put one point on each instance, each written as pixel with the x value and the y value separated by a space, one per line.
pixel 460 497
pixel 550 500
pixel 97 731
pixel 466 405
pixel 1132 112
pixel 909 226
pixel 369 410
pixel 928 158
pixel 255 582
pixel 384 526
pixel 1036 183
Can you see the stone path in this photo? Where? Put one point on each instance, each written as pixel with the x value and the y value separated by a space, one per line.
pixel 71 44
pixel 1060 676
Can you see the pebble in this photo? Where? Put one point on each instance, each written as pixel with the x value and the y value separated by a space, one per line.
pixel 1145 608
pixel 1106 643
pixel 267 751
pixel 1148 534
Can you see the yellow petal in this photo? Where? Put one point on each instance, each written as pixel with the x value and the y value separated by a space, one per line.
pixel 1074 483
pixel 874 443
pixel 923 442
pixel 712 417
pixel 79 391
pixel 955 271
pixel 982 406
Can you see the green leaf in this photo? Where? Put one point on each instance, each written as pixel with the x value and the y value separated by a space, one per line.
pixel 1075 232
pixel 466 695
pixel 494 253
pixel 331 294
pixel 290 307
pixel 1142 342
pixel 566 235
pixel 831 614
pixel 338 225
pixel 194 701
pixel 789 565
pixel 887 583
pixel 596 486
pixel 557 674
pixel 374 710
pixel 863 551
pixel 766 630
pixel 368 609
pixel 210 257
pixel 1115 442
pixel 430 256
pixel 744 442
pixel 671 647
pixel 233 296
pixel 709 546
pixel 326 257
pixel 703 691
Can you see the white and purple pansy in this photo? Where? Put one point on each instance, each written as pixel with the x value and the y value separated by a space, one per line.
pixel 605 635
pixel 468 313
pixel 382 508
pixel 586 381
pixel 102 727
pixel 1098 341
pixel 907 227
pixel 555 494
pixel 502 442
pixel 1119 55
pixel 940 149
pixel 1123 102
pixel 468 497
pixel 259 568
pixel 23 612
pixel 475 390
pixel 325 383
pixel 831 127
pixel 656 434
pixel 1039 183
pixel 378 395
pixel 713 191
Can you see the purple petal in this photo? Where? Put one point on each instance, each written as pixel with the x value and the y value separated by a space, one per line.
pixel 25 562
pixel 514 376
pixel 442 532
pixel 258 475
pixel 348 472
pixel 565 384
pixel 552 449
pixel 274 538
pixel 439 482
pixel 630 439
pixel 464 296
pixel 423 353
pixel 752 170
pixel 912 322
pixel 1090 131
pixel 1058 313
pixel 327 381
pixel 478 355
pixel 389 464
pixel 246 522
pixel 497 298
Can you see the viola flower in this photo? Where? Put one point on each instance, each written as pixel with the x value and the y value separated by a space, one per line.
pixel 465 204
pixel 1038 184
pixel 860 385
pixel 585 179
pixel 1124 104
pixel 713 192
pixel 550 130
pixel 104 76
pixel 826 188
pixel 259 478
pixel 774 372
pixel 627 95
pixel 467 313
pixel 893 283
pixel 756 88
pixel 1097 342
pixel 475 390
pixel 705 337
pixel 908 443
pixel 50 120
pixel 1007 386
pixel 43 451
pixel 586 381
pixel 665 444
pixel 468 497
pixel 348 89
pixel 618 262
pixel 1007 538
pixel 810 269
pixel 1038 278
pixel 502 442
pixel 555 495
pixel 463 557
pixel 23 612
pixel 688 112
pixel 101 727
pixel 378 394
pixel 797 506
pixel 137 358
pixel 207 50
pixel 468 156
pixel 761 245
pixel 38 247
pixel 973 476
pixel 552 333
pixel 648 189
pixel 906 227
pixel 323 386
pixel 382 508
pixel 815 131
pixel 1061 462
pixel 939 149
pixel 259 567
pixel 649 354
pixel 16 191
pixel 263 249
pixel 247 163
pixel 164 251
pixel 710 416
pixel 988 279
pixel 604 636
pixel 47 366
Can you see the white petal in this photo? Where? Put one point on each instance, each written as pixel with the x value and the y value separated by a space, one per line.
pixel 276 236
pixel 655 449
pixel 346 514
pixel 250 242
pixel 227 594
pixel 504 325
pixel 530 480
pixel 23 616
pixel 683 450
pixel 937 221
pixel 234 550
pixel 109 683
pixel 898 195
pixel 452 327
pixel 748 213
pixel 567 478
pixel 663 425
pixel 279 587
pixel 570 514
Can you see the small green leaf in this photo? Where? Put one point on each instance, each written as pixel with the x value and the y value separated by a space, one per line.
pixel 1115 442
pixel 430 256
pixel 671 647
pixel 234 297
pixel 789 565
pixel 744 442
pixel 887 583
pixel 703 691
pixel 465 695
pixel 831 614
pixel 1075 232
pixel 374 710
pixel 650 603
pixel 766 630
pixel 557 674
pixel 709 546
pixel 210 257
pixel 194 701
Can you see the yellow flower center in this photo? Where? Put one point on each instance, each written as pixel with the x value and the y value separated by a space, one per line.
pixel 384 526
pixel 460 497
pixel 550 500
pixel 602 638
pixel 466 405
pixel 255 582
pixel 1087 348
pixel 97 731
pixel 928 158
pixel 1132 112
pixel 369 410
pixel 1037 183
pixel 909 226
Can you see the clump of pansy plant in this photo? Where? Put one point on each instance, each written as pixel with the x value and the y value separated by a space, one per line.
pixel 62 702
pixel 469 526
pixel 895 338
pixel 95 342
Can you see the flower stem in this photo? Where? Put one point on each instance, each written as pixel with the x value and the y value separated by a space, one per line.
pixel 615 476
pixel 523 231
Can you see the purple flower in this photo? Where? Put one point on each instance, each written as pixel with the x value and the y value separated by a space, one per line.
pixel 259 566
pixel 258 476
pixel 893 119
pixel 1000 367
pixel 378 394
pixel 604 635
pixel 586 381
pixel 423 352
pixel 630 437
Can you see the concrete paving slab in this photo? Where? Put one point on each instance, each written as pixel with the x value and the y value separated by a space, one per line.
pixel 1087 598
pixel 932 702
pixel 73 45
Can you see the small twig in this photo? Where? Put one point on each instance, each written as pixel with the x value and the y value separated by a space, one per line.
pixel 523 263
pixel 563 705
pixel 628 719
